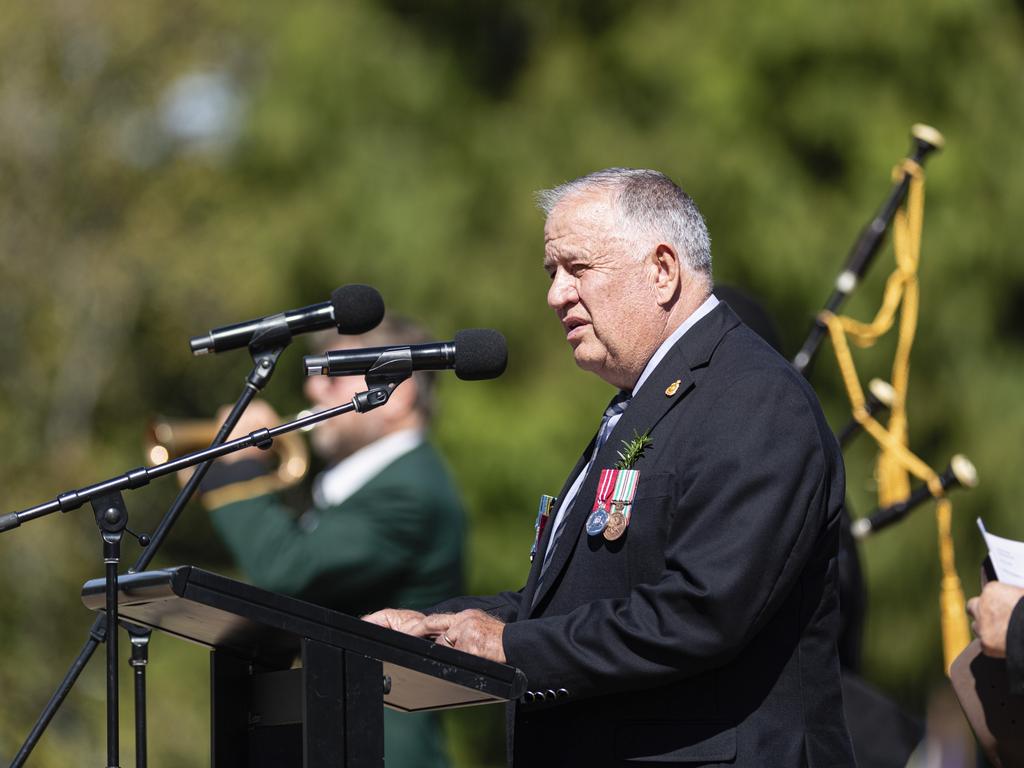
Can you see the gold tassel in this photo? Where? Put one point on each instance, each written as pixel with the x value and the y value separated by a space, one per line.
pixel 896 462
pixel 893 480
pixel 955 632
pixel 953 612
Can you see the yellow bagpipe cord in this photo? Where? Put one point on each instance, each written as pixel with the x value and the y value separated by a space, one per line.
pixel 895 459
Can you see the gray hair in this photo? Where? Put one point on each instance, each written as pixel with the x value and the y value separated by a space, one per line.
pixel 651 204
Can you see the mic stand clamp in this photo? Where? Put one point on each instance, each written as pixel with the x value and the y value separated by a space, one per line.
pixel 389 370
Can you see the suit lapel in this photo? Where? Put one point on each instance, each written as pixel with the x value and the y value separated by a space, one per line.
pixel 658 395
pixel 545 539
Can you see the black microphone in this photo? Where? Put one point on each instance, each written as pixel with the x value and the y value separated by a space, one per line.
pixel 475 354
pixel 353 309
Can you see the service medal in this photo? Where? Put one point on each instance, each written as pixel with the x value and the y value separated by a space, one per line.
pixel 616 525
pixel 597 521
pixel 599 514
pixel 626 481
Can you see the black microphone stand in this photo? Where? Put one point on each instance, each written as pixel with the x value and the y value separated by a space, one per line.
pixel 110 516
pixel 265 349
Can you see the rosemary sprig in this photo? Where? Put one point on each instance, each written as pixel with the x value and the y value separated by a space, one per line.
pixel 633 451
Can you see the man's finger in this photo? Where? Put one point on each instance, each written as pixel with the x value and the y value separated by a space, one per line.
pixel 433 625
pixel 380 618
pixel 398 619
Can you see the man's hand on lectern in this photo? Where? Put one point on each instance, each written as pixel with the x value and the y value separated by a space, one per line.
pixel 471 631
pixel 398 619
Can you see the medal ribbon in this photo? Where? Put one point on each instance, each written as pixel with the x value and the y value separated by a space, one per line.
pixel 625 489
pixel 543 515
pixel 604 488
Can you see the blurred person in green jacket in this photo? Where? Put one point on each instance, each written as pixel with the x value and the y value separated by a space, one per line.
pixel 386 526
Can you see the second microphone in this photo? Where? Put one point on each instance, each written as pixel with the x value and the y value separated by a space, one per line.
pixel 475 354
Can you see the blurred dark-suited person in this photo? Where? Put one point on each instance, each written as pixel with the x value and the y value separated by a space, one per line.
pixel 681 606
pixel 998 614
pixel 883 735
pixel 386 525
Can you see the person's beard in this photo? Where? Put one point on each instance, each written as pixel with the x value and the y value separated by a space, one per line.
pixel 333 443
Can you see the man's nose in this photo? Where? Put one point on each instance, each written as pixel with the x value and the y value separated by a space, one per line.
pixel 562 291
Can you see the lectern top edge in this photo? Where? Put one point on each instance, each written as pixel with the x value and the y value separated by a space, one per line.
pixel 267 628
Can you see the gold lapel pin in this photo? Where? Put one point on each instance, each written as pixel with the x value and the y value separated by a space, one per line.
pixel 672 388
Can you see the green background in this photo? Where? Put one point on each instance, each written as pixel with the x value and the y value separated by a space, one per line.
pixel 399 144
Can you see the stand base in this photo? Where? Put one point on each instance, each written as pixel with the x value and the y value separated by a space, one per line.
pixel 327 714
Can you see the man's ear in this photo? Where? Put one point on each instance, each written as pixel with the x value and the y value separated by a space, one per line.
pixel 668 274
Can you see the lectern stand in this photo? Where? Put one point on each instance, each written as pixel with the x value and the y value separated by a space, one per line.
pixel 326 713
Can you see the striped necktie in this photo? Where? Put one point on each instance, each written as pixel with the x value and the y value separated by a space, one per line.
pixel 611 416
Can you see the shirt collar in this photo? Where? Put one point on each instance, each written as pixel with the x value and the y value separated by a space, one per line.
pixel 335 485
pixel 709 304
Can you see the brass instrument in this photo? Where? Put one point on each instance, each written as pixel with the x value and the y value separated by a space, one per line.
pixel 170 438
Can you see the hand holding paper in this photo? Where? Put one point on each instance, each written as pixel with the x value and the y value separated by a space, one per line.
pixel 1007 557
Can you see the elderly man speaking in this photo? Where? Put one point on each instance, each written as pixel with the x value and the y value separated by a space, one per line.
pixel 681 606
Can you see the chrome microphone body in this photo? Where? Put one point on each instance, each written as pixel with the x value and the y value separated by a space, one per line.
pixel 353 309
pixel 356 362
pixel 475 354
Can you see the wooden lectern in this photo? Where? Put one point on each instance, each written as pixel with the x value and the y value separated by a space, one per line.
pixel 329 711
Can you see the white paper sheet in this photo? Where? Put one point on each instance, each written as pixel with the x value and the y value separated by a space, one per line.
pixel 1007 557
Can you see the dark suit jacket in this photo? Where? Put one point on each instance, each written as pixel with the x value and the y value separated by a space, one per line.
pixel 706 635
pixel 1015 649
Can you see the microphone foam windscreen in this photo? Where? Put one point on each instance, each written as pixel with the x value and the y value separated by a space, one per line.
pixel 357 308
pixel 480 353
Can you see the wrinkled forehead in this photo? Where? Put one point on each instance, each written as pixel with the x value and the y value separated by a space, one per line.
pixel 590 212
pixel 587 226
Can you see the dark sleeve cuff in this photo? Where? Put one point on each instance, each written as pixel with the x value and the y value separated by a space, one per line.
pixel 512 643
pixel 503 606
pixel 222 474
pixel 1015 649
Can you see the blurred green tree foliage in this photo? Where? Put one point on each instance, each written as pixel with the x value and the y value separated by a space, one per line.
pixel 168 168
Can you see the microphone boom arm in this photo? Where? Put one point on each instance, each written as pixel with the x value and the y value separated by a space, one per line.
pixel 136 478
